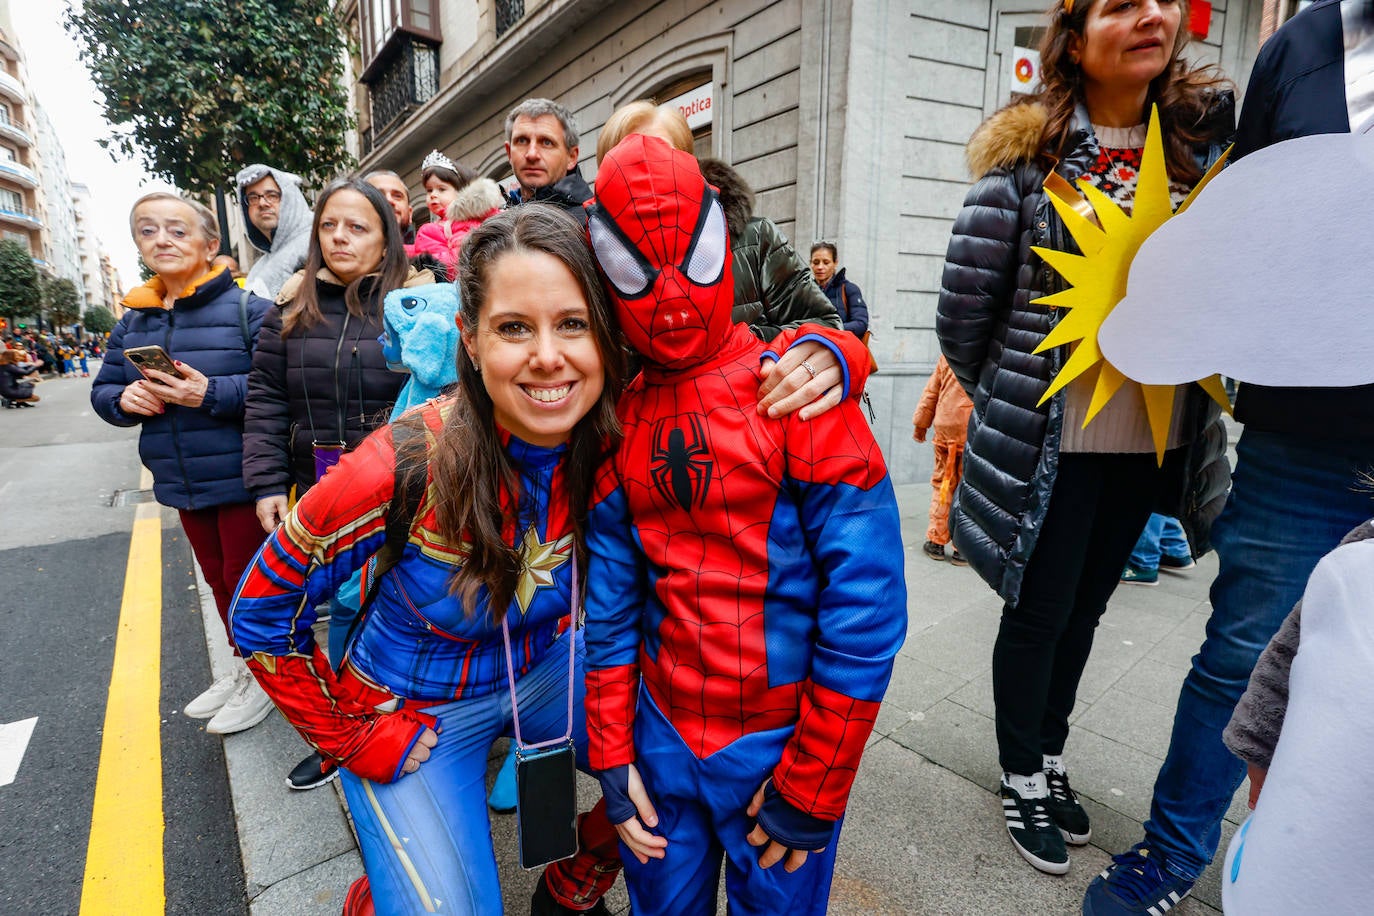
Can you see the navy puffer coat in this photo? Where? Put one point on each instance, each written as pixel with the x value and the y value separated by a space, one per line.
pixel 989 330
pixel 194 453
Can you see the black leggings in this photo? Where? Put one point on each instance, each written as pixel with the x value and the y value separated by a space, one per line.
pixel 1097 510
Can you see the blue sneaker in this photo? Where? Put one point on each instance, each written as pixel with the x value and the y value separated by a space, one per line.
pixel 502 797
pixel 1135 883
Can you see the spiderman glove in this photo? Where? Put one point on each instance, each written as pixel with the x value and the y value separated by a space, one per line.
pixel 615 789
pixel 789 825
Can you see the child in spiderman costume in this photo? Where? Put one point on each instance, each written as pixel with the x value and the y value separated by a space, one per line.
pixel 746 590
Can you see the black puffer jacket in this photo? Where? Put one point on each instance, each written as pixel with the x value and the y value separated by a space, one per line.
pixel 774 289
pixel 324 383
pixel 989 330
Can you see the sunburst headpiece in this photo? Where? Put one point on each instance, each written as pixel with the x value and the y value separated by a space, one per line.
pixel 1109 240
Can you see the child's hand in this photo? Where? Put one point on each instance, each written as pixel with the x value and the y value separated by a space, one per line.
pixel 629 808
pixel 1257 774
pixel 786 830
pixel 919 435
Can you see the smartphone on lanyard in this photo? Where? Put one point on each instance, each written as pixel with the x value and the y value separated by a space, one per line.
pixel 546 804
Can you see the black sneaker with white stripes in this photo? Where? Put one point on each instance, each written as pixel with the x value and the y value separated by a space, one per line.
pixel 1033 832
pixel 1067 814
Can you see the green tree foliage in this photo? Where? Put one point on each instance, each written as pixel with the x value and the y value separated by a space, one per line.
pixel 21 294
pixel 98 320
pixel 62 300
pixel 199 88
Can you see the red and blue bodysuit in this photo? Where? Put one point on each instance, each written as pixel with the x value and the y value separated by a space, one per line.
pixel 419 660
pixel 746 594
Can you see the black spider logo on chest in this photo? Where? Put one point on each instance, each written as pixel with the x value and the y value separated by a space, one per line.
pixel 681 467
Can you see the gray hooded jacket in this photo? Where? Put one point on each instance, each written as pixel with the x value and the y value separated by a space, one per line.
pixel 285 251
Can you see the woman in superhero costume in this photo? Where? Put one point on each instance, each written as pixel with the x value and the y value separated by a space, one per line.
pixel 422 690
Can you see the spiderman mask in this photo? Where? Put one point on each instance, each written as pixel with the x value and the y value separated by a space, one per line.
pixel 659 236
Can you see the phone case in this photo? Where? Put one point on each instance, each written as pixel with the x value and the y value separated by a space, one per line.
pixel 546 805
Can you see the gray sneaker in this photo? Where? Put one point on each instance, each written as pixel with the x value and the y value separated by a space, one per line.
pixel 248 706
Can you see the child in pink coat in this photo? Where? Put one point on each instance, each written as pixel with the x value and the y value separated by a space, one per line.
pixel 459 202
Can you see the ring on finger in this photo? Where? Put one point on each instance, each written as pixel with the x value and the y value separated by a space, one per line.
pixel 810 370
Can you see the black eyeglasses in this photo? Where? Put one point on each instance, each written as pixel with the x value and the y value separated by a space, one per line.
pixel 266 197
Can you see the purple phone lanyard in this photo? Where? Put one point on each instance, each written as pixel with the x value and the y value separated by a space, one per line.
pixel 572 670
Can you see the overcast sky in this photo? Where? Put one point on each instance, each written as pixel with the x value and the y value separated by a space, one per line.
pixel 64 89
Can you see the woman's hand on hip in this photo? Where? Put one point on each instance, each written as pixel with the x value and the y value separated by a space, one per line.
pixel 185 392
pixel 807 378
pixel 272 512
pixel 141 399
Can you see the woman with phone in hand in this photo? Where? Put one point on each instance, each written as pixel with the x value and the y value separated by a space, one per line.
pixel 320 383
pixel 193 321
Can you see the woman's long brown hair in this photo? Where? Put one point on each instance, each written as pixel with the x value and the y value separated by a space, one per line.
pixel 304 310
pixel 475 487
pixel 1183 93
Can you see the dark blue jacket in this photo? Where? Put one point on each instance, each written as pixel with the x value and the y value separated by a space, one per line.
pixel 195 454
pixel 848 302
pixel 1297 89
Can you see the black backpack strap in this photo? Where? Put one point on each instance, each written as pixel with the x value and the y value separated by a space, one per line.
pixel 408 492
pixel 243 321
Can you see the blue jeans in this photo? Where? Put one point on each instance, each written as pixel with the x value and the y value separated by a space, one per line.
pixel 1162 534
pixel 441 809
pixel 1291 502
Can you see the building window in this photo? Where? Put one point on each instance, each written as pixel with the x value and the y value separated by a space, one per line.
pixel 5 113
pixel 410 79
pixel 508 13
pixel 386 23
pixel 8 153
pixel 9 200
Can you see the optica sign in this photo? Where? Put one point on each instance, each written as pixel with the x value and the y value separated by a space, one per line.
pixel 695 105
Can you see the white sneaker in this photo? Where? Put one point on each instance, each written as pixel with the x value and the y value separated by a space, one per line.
pixel 213 699
pixel 248 706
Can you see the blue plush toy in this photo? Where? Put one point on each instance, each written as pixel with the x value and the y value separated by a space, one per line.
pixel 422 339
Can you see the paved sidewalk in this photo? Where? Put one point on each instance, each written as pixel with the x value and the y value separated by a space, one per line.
pixel 924 831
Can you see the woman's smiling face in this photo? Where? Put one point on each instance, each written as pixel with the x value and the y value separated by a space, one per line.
pixel 535 349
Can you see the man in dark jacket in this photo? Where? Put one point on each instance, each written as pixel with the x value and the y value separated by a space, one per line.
pixel 541 143
pixel 1295 491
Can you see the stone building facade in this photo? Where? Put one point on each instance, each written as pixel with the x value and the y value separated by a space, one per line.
pixel 848 117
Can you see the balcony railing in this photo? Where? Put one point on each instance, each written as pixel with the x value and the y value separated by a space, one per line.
pixel 408 81
pixel 508 13
pixel 10 86
pixel 20 174
pixel 24 216
pixel 12 130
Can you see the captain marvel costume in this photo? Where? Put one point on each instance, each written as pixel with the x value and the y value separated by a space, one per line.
pixel 746 590
pixel 418 660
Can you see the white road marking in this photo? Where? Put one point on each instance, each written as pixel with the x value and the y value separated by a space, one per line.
pixel 14 740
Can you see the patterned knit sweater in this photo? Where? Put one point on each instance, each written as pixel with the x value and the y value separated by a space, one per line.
pixel 1122 426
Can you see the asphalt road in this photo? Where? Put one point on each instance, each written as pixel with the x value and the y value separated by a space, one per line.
pixel 63 551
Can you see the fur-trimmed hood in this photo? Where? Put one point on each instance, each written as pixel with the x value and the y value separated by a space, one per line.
pixel 1012 135
pixel 736 197
pixel 477 199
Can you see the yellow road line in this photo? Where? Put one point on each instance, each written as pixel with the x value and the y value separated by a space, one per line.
pixel 124 870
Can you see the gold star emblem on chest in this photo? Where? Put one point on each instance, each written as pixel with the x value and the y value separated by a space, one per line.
pixel 541 561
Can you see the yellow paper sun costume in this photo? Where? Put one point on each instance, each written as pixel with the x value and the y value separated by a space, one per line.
pixel 1109 240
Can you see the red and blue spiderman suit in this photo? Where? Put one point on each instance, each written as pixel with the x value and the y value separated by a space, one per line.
pixel 746 572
